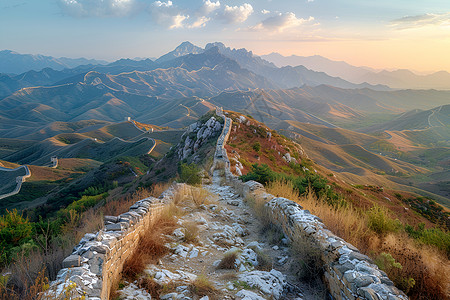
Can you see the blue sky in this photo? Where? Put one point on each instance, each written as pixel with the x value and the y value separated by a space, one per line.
pixel 382 34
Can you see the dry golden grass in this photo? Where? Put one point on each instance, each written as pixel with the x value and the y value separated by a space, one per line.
pixel 154 288
pixel 200 196
pixel 282 188
pixel 344 221
pixel 228 261
pixel 202 286
pixel 426 265
pixel 159 188
pixel 115 207
pixel 190 232
pixel 265 262
pixel 192 196
pixel 151 247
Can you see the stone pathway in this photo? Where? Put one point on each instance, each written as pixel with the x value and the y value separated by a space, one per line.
pixel 228 228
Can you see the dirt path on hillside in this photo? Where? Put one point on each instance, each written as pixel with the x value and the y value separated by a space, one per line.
pixel 259 256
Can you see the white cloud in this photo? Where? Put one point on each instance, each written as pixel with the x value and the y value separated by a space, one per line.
pixel 280 22
pixel 265 11
pixel 177 21
pixel 99 8
pixel 237 14
pixel 199 22
pixel 208 7
pixel 168 15
pixel 418 21
pixel 163 4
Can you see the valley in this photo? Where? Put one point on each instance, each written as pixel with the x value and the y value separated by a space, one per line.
pixel 125 130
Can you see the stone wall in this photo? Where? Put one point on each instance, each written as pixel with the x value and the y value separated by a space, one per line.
pixel 348 274
pixel 19 179
pixel 96 263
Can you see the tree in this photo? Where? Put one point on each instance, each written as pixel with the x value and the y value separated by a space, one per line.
pixel 15 230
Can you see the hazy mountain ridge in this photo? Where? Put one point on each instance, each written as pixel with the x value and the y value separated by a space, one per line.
pixel 16 63
pixel 399 79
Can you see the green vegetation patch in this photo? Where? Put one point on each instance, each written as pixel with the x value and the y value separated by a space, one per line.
pixel 319 184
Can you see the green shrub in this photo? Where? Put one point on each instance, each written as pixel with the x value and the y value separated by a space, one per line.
pixel 15 230
pixel 318 184
pixel 190 174
pixel 432 236
pixel 257 146
pixel 261 173
pixel 380 222
pixel 387 263
pixel 86 202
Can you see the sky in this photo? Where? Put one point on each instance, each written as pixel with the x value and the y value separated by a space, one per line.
pixel 390 34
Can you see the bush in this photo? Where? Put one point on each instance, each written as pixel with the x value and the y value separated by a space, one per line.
pixel 261 173
pixel 387 263
pixel 432 236
pixel 14 231
pixel 257 146
pixel 190 174
pixel 380 222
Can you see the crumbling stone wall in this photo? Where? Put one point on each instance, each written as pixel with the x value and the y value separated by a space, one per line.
pixel 348 273
pixel 96 263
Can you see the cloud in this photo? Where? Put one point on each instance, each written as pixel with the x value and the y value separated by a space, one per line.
pixel 99 8
pixel 418 21
pixel 208 7
pixel 199 22
pixel 163 4
pixel 177 21
pixel 236 14
pixel 265 11
pixel 168 15
pixel 163 12
pixel 280 22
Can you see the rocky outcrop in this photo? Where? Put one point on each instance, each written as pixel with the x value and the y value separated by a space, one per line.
pixel 197 135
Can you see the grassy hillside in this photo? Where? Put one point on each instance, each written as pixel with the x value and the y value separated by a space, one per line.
pixel 352 169
pixel 9 146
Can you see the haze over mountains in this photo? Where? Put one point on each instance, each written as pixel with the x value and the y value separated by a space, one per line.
pixel 180 86
pixel 16 63
pixel 398 79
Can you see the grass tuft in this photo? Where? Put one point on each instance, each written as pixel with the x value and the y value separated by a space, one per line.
pixel 191 232
pixel 202 286
pixel 228 262
pixel 151 247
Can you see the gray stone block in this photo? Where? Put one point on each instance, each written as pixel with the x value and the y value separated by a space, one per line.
pixel 112 219
pixel 114 227
pixel 72 261
pixel 99 249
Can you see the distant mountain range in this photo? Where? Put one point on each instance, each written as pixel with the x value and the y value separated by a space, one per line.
pixel 216 75
pixel 399 79
pixel 345 122
pixel 15 63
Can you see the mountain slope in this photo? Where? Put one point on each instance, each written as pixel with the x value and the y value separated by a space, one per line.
pixel 416 119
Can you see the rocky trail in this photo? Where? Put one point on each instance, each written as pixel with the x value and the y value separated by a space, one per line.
pixel 234 252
